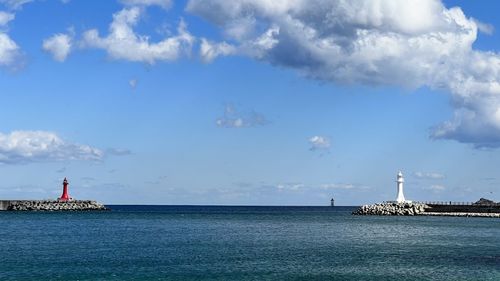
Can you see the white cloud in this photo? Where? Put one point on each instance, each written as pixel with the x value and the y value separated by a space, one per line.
pixel 485 27
pixel 435 187
pixel 209 50
pixel 337 186
pixel 319 143
pixel 59 45
pixel 255 48
pixel 123 43
pixel 233 118
pixel 20 147
pixel 15 4
pixel 5 18
pixel 290 186
pixel 9 51
pixel 165 4
pixel 433 176
pixel 347 186
pixel 410 43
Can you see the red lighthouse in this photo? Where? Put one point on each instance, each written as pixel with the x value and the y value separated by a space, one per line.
pixel 65 195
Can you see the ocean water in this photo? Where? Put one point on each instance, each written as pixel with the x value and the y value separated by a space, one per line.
pixel 245 243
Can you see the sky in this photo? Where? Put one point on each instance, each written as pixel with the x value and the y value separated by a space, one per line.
pixel 249 102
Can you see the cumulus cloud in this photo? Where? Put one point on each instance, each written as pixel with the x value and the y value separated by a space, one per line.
pixel 59 46
pixel 255 48
pixel 165 4
pixel 122 43
pixel 432 176
pixel 21 147
pixel 10 53
pixel 319 143
pixel 234 118
pixel 209 50
pixel 409 43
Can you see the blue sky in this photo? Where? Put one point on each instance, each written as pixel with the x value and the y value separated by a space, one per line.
pixel 249 102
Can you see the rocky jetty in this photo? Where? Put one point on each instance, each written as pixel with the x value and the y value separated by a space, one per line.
pixel 392 209
pixel 56 205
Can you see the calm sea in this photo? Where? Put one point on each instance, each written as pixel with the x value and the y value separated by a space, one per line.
pixel 245 243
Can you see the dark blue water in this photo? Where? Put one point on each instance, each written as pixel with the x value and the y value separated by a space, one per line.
pixel 245 243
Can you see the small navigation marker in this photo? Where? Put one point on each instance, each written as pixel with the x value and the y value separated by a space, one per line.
pixel 332 203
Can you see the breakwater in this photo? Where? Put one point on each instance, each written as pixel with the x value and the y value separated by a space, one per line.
pixel 51 205
pixel 392 209
pixel 481 208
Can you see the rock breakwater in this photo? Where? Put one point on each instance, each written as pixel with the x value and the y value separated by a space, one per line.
pixel 55 205
pixel 392 209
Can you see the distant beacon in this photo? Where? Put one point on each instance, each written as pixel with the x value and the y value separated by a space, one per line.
pixel 400 180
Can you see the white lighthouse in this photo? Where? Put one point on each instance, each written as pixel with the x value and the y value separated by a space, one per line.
pixel 400 180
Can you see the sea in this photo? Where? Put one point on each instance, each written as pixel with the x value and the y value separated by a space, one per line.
pixel 245 243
